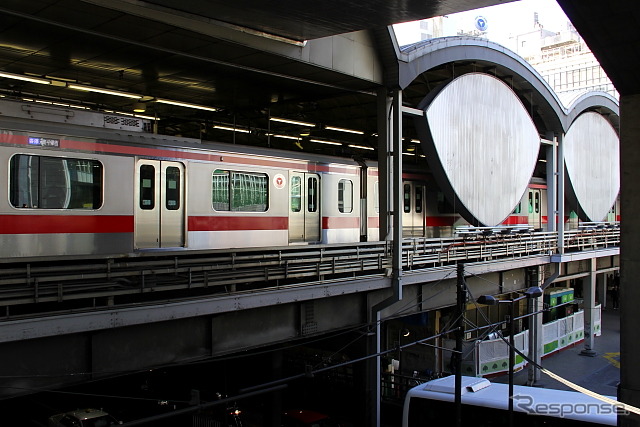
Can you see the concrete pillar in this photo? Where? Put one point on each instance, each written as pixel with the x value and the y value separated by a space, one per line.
pixel 384 163
pixel 629 390
pixel 390 184
pixel 560 194
pixel 601 286
pixel 552 183
pixel 535 332
pixel 374 371
pixel 589 297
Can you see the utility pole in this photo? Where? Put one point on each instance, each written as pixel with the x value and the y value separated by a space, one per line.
pixel 461 308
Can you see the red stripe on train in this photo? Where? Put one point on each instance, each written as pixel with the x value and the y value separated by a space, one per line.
pixel 333 222
pixel 237 223
pixel 516 220
pixel 441 221
pixel 55 224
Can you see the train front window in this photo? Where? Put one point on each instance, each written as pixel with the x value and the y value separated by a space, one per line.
pixel 55 183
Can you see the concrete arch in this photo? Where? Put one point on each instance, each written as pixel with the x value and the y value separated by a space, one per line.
pixel 421 57
pixel 556 117
pixel 607 105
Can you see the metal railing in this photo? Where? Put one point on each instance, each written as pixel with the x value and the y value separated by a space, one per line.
pixel 149 276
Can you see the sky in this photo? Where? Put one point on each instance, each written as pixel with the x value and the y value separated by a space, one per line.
pixel 502 21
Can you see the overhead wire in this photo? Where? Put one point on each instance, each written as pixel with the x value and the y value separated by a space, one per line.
pixel 576 387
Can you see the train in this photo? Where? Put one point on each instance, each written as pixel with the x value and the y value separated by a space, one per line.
pixel 72 189
pixel 484 403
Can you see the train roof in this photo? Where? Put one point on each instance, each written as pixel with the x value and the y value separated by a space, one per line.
pixel 531 400
pixel 29 117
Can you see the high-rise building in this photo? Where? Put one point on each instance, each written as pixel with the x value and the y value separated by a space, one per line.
pixel 564 60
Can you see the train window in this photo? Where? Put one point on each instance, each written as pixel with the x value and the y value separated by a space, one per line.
pixel 55 183
pixel 312 194
pixel 537 202
pixel 147 187
pixel 240 191
pixel 518 208
pixel 419 203
pixel 407 198
pixel 172 190
pixel 296 194
pixel 220 192
pixel 345 196
pixel 444 207
pixel 530 202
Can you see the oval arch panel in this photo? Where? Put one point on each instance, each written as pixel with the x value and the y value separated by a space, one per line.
pixel 481 144
pixel 594 179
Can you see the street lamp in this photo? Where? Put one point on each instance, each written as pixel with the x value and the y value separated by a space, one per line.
pixel 532 292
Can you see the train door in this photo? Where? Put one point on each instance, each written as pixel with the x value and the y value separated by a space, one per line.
pixel 159 204
pixel 535 208
pixel 413 220
pixel 304 207
pixel 614 213
pixel 420 220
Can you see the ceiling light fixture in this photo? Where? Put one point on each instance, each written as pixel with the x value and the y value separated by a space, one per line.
pixel 319 141
pixel 185 104
pixel 105 91
pixel 229 128
pixel 359 132
pixel 361 147
pixel 415 141
pixel 124 113
pixel 293 122
pixel 25 78
pixel 139 107
pixel 57 104
pixel 286 137
pixel 140 116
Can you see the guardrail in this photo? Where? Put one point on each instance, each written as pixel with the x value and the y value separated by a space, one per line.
pixel 149 276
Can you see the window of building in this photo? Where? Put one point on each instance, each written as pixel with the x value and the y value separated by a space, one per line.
pixel 45 182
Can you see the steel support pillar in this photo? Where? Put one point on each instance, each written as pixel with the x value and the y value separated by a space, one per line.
pixel 629 389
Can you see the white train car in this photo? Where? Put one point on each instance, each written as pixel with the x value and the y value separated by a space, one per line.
pixel 72 192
